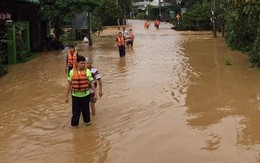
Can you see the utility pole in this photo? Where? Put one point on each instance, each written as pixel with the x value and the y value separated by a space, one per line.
pixel 118 21
pixel 124 11
pixel 214 18
pixel 90 43
pixel 146 5
pixel 160 10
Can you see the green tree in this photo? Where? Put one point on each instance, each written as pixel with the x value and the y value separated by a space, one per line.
pixel 126 6
pixel 108 12
pixel 59 11
pixel 243 28
pixel 198 17
pixel 3 51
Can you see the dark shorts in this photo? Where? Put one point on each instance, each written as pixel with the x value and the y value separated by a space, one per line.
pixel 129 43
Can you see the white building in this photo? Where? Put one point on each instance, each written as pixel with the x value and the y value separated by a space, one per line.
pixel 142 5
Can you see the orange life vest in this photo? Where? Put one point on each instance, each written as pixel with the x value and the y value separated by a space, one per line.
pixel 146 24
pixel 80 82
pixel 72 58
pixel 120 41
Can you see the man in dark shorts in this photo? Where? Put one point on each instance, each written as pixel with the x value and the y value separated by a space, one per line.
pixel 97 83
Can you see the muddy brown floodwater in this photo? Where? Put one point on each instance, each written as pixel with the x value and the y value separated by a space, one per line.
pixel 171 99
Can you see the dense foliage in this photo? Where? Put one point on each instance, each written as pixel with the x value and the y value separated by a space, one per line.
pixel 3 49
pixel 60 11
pixel 239 21
pixel 126 7
pixel 108 12
pixel 243 28
pixel 104 12
pixel 197 18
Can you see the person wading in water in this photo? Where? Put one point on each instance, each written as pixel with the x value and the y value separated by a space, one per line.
pixel 71 59
pixel 79 82
pixel 121 44
pixel 97 82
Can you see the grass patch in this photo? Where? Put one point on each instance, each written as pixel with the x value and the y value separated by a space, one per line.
pixel 227 61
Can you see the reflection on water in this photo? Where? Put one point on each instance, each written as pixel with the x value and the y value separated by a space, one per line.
pixel 171 99
pixel 223 100
pixel 121 65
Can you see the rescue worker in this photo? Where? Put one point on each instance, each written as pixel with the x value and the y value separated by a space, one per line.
pixel 157 24
pixel 146 24
pixel 79 82
pixel 71 58
pixel 121 44
pixel 97 83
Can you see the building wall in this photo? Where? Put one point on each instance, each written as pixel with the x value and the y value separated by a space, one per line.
pixel 25 11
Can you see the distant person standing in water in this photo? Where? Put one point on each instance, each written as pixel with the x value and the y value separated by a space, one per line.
pixel 157 24
pixel 71 59
pixel 146 24
pixel 121 44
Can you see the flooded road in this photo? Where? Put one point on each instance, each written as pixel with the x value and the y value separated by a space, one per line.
pixel 171 99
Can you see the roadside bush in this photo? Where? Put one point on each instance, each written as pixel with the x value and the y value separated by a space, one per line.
pixel 141 16
pixel 3 50
pixel 3 55
pixel 254 54
pixel 3 70
pixel 240 33
pixel 243 29
pixel 198 18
